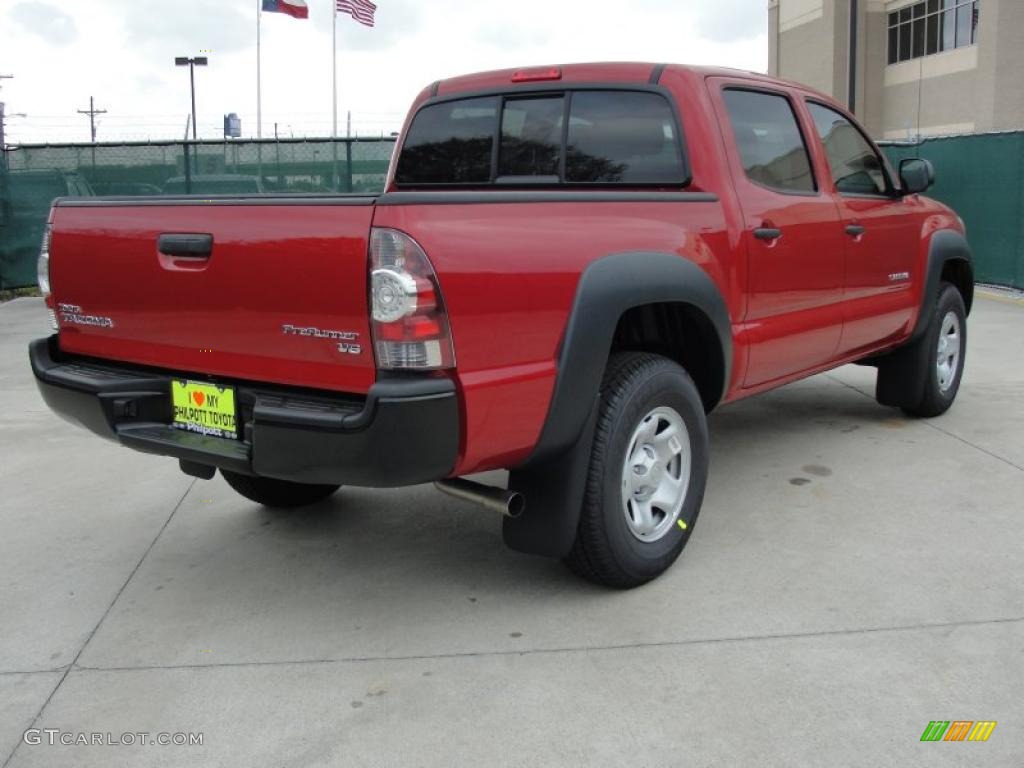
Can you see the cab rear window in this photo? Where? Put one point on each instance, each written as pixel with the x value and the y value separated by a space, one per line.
pixel 581 137
pixel 450 143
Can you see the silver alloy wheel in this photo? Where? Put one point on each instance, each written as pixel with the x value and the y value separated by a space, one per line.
pixel 656 474
pixel 947 362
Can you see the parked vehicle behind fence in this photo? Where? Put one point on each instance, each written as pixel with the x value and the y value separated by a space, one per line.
pixel 214 184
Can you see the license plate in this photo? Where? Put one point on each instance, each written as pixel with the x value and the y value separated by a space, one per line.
pixel 204 408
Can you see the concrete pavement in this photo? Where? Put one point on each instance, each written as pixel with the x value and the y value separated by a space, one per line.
pixel 854 575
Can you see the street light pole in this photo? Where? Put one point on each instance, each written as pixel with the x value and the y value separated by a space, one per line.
pixel 192 86
pixel 191 62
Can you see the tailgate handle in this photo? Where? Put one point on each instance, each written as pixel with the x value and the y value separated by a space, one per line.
pixel 194 246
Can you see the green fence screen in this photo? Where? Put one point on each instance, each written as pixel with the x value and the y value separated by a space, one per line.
pixel 981 176
pixel 31 176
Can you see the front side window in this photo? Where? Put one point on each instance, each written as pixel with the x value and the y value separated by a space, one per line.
pixel 856 166
pixel 932 26
pixel 612 137
pixel 769 141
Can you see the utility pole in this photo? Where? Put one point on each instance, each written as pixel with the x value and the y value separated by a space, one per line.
pixel 4 117
pixel 92 112
pixel 2 144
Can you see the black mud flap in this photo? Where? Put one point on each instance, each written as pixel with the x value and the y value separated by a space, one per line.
pixel 553 489
pixel 901 375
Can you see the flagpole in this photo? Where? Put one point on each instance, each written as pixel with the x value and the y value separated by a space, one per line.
pixel 334 65
pixel 334 91
pixel 259 96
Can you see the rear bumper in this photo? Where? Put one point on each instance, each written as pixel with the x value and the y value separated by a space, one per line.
pixel 403 432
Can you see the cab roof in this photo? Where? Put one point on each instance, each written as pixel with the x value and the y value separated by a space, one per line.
pixel 636 72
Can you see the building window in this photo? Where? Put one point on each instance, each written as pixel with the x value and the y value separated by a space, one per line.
pixel 932 26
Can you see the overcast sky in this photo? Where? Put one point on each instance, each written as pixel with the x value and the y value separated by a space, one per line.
pixel 122 53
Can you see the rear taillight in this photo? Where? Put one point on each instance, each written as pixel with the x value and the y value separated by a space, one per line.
pixel 43 264
pixel 408 318
pixel 43 270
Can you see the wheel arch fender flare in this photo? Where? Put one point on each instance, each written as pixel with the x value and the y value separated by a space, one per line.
pixel 944 246
pixel 554 476
pixel 607 289
pixel 901 372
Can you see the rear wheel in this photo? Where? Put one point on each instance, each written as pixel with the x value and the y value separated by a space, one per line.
pixel 271 492
pixel 648 469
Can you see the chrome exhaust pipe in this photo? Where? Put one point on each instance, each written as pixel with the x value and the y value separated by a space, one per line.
pixel 508 503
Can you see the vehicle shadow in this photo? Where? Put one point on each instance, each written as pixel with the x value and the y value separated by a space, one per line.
pixel 411 572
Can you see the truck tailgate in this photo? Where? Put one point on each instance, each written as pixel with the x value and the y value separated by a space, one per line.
pixel 280 298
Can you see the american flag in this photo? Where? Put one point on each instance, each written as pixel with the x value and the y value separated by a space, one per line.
pixel 360 10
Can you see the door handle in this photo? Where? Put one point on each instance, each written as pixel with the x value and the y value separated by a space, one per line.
pixel 195 246
pixel 767 233
pixel 855 230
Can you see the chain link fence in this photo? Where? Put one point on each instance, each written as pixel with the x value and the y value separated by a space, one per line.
pixel 31 176
pixel 981 176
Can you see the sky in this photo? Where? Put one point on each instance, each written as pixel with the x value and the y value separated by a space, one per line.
pixel 122 52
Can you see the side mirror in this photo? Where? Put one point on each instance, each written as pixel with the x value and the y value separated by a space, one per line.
pixel 916 175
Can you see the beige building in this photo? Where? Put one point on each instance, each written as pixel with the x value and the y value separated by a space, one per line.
pixel 920 67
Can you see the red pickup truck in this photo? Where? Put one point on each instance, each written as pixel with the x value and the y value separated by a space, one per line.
pixel 569 268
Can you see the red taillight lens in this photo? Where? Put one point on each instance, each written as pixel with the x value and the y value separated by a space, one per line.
pixel 408 318
pixel 43 271
pixel 532 75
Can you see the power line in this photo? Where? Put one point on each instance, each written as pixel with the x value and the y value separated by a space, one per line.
pixel 92 112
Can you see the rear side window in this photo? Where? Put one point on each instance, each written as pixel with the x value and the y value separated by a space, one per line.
pixel 450 143
pixel 856 167
pixel 612 137
pixel 769 141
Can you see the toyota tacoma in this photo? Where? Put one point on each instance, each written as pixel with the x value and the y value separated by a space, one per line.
pixel 569 268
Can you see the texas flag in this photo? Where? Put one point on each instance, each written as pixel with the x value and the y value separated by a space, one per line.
pixel 296 8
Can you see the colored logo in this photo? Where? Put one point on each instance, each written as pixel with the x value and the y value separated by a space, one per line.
pixel 958 730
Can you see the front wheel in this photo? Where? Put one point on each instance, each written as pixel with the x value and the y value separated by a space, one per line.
pixel 923 379
pixel 947 345
pixel 648 470
pixel 282 494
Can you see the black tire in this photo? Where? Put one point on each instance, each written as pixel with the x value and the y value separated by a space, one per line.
pixel 606 551
pixel 281 494
pixel 909 378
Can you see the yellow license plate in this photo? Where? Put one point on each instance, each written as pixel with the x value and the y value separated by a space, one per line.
pixel 204 408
